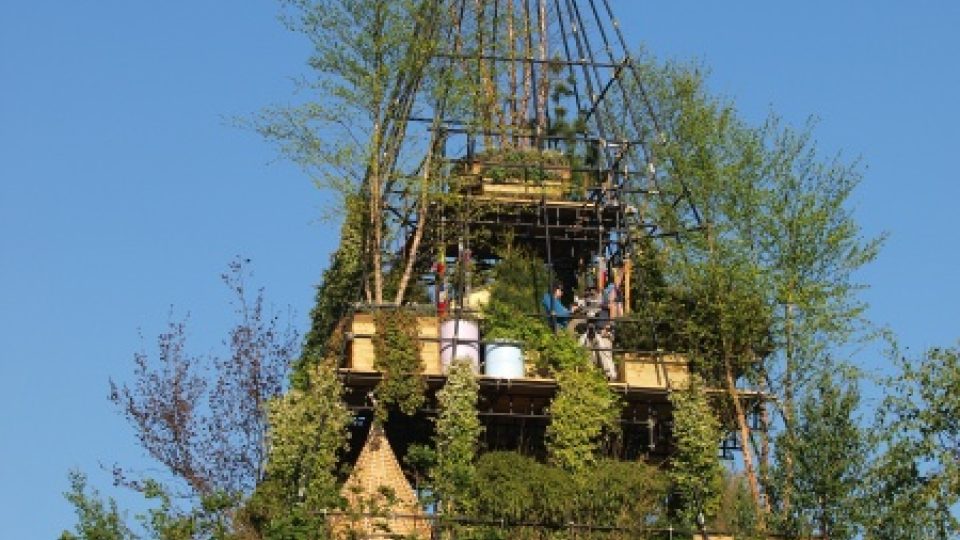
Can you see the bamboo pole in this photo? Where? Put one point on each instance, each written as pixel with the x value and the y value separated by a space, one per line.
pixel 543 88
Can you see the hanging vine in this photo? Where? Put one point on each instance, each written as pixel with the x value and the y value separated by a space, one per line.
pixel 457 436
pixel 397 348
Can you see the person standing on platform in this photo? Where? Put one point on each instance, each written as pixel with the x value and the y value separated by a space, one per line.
pixel 558 315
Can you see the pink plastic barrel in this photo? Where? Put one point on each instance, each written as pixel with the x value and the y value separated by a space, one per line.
pixel 466 344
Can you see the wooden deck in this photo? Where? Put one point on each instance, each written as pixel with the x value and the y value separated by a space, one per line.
pixel 635 371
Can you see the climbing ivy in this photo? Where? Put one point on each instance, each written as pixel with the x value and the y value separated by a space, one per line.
pixel 338 288
pixel 397 349
pixel 457 436
pixel 308 432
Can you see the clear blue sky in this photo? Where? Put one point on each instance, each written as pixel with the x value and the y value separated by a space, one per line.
pixel 123 189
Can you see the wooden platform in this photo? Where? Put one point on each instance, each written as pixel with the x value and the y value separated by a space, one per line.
pixel 361 353
pixel 649 371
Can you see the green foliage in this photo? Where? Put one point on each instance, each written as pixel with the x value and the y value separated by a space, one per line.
pixel 420 460
pixel 708 294
pixel 737 512
pixel 370 512
pixel 397 348
pixel 915 483
pixel 513 313
pixel 338 289
pixel 766 293
pixel 524 165
pixel 371 69
pixel 307 435
pixel 210 518
pixel 457 437
pixel 827 446
pixel 560 351
pixel 584 412
pixel 773 269
pixel 96 520
pixel 657 310
pixel 695 466
pixel 519 281
pixel 367 55
pixel 517 489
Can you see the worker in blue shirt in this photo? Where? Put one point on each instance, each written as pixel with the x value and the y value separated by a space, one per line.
pixel 558 315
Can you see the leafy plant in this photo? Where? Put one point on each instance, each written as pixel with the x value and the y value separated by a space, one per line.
pixel 517 489
pixel 827 446
pixel 337 291
pixel 694 469
pixel 513 313
pixel 308 433
pixel 96 520
pixel 397 348
pixel 914 483
pixel 583 414
pixel 457 437
pixel 524 165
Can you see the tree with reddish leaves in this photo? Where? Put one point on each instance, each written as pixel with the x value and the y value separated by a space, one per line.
pixel 204 416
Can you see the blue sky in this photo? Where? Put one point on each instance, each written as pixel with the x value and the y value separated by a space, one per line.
pixel 124 190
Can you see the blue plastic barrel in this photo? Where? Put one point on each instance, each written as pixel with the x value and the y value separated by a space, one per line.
pixel 504 360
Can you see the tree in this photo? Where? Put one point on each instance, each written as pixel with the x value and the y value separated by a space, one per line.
pixel 370 62
pixel 695 470
pixel 914 483
pixel 827 446
pixel 767 290
pixel 812 246
pixel 99 520
pixel 307 437
pixel 96 520
pixel 204 417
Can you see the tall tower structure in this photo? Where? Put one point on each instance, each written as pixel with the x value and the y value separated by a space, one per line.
pixel 538 134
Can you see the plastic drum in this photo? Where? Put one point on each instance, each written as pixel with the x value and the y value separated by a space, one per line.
pixel 467 342
pixel 504 360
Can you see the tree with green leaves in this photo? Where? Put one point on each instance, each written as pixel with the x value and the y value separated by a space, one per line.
pixel 812 246
pixel 767 291
pixel 914 483
pixel 827 445
pixel 210 518
pixel 96 519
pixel 307 438
pixel 370 65
pixel 696 472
